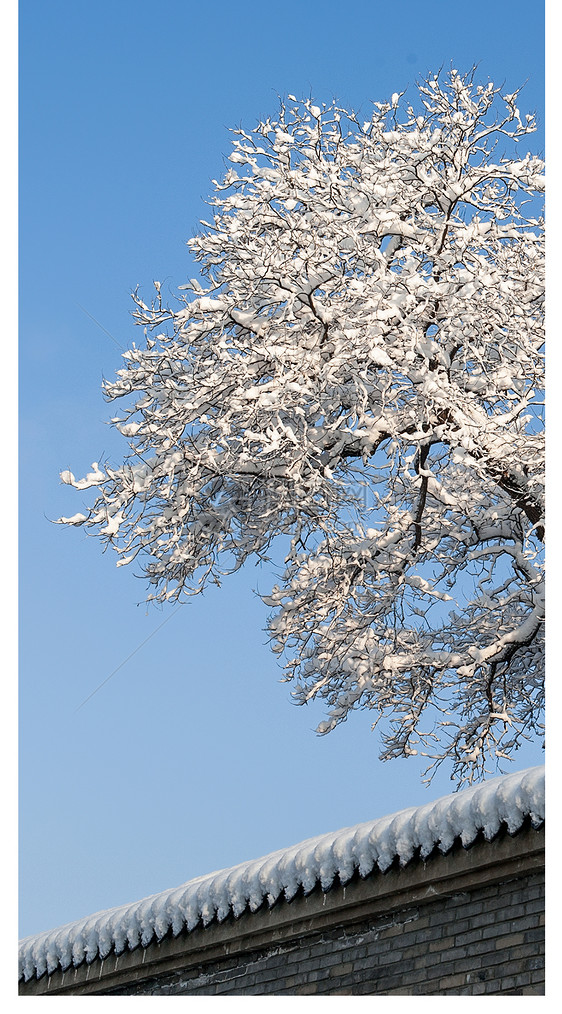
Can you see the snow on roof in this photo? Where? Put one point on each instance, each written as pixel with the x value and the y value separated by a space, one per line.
pixel 375 844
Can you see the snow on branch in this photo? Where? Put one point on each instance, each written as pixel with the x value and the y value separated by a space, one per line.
pixel 360 370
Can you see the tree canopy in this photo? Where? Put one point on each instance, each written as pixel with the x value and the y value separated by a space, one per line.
pixel 359 370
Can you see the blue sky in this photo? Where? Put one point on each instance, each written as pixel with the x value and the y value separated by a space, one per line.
pixel 191 756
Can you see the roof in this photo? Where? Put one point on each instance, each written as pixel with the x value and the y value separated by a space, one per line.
pixel 374 845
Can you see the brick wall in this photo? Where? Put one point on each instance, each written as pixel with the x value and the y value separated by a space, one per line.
pixel 471 922
pixel 487 941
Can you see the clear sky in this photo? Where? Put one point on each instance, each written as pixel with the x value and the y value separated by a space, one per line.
pixel 191 757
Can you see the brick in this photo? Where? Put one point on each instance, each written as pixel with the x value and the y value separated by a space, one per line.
pixel 535 892
pixel 508 982
pixel 251 991
pixel 427 961
pixel 534 905
pixel 486 918
pixel 442 944
pixel 473 989
pixel 494 959
pixel 439 917
pixel 492 986
pixel 267 975
pixel 472 909
pixel 429 933
pixel 515 911
pixel 470 937
pixel 465 965
pixel 455 953
pixel 413 975
pixel 517 895
pixel 291 957
pixel 523 979
pixel 533 935
pixel 498 929
pixel 478 951
pixel 289 982
pixel 409 943
pixel 535 964
pixel 307 989
pixel 510 968
pixel 309 968
pixel 389 957
pixel 527 922
pixel 339 970
pixel 365 989
pixel 511 940
pixel 391 931
pixel 449 981
pixel 360 953
pixel 323 961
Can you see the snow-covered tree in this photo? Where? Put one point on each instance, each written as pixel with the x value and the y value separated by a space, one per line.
pixel 361 373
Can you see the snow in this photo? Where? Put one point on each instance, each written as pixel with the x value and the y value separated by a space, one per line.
pixel 367 346
pixel 506 800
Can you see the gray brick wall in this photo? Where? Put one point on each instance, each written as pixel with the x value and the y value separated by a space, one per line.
pixel 468 922
pixel 486 940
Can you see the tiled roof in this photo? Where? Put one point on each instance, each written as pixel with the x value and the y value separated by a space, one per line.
pixel 375 844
